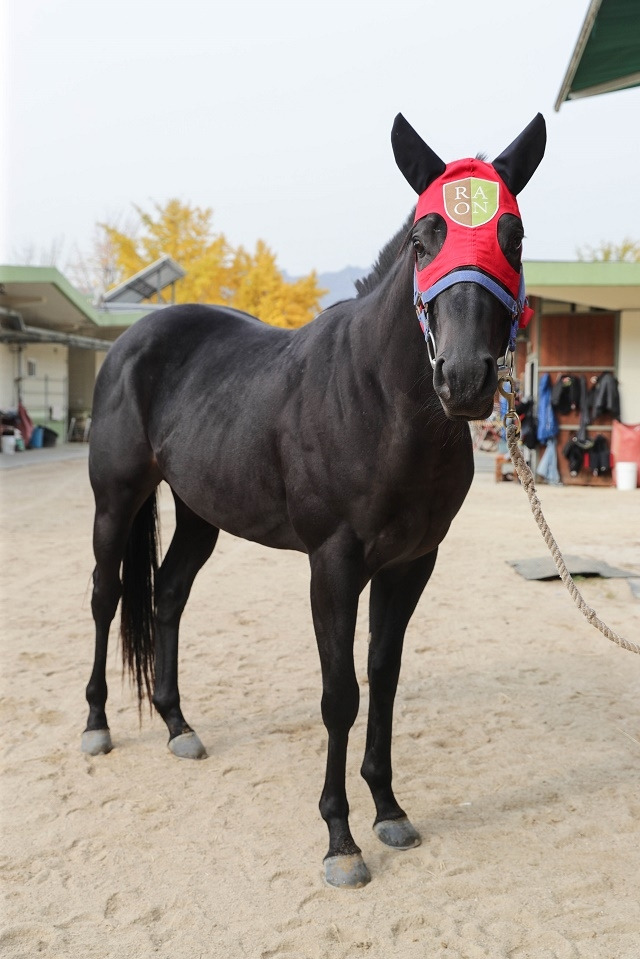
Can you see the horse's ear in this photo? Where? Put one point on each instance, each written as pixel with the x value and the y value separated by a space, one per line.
pixel 417 161
pixel 517 164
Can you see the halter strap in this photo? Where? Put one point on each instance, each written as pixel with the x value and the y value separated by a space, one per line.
pixel 422 299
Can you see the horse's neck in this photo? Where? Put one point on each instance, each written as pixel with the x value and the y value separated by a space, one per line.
pixel 390 340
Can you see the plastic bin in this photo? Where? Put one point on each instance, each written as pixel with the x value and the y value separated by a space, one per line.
pixel 49 437
pixel 626 475
pixel 37 438
pixel 8 443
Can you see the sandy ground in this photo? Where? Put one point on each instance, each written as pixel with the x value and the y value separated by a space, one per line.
pixel 517 754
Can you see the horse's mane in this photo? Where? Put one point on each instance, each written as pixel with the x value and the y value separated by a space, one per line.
pixel 386 259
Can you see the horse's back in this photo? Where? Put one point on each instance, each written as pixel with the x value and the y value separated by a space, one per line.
pixel 191 395
pixel 168 350
pixel 170 335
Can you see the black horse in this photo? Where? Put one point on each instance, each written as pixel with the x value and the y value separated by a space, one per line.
pixel 337 440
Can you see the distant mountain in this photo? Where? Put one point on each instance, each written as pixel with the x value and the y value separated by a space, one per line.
pixel 339 283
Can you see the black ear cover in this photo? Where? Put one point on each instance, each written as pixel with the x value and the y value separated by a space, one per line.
pixel 517 164
pixel 416 161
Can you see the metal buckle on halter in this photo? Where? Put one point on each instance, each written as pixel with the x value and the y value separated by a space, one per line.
pixel 506 362
pixel 422 312
pixel 431 347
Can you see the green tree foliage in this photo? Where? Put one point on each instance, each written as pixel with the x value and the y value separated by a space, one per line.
pixel 216 272
pixel 628 251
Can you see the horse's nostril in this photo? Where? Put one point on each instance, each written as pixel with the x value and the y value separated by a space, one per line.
pixel 439 382
pixel 490 383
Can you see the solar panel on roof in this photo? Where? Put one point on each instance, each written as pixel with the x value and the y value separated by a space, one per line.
pixel 145 284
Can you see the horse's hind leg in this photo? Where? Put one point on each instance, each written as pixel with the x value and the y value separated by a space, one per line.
pixel 394 596
pixel 191 546
pixel 112 525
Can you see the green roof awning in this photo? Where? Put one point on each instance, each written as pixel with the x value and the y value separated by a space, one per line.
pixel 607 54
pixel 46 301
pixel 611 286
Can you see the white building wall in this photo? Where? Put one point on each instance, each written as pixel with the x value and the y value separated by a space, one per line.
pixel 82 377
pixel 629 366
pixel 55 378
pixel 43 367
pixel 8 373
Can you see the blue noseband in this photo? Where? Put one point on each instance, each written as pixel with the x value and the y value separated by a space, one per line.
pixel 423 299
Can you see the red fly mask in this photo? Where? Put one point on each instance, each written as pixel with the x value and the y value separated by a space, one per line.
pixel 471 196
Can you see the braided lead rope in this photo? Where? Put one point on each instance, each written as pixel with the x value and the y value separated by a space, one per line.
pixel 526 478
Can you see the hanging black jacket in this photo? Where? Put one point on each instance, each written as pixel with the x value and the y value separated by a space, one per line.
pixel 605 397
pixel 582 439
pixel 600 457
pixel 565 395
pixel 575 456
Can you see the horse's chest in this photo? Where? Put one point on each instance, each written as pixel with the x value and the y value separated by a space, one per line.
pixel 411 524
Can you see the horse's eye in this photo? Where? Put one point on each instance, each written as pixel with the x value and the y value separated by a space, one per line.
pixel 417 246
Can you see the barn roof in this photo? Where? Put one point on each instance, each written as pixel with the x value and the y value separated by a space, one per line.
pixel 607 53
pixel 604 285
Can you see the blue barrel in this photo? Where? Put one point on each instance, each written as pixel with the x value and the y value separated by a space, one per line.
pixel 37 438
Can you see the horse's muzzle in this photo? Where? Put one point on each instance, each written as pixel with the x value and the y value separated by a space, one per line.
pixel 466 390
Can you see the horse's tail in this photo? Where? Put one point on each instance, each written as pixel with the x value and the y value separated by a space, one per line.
pixel 137 628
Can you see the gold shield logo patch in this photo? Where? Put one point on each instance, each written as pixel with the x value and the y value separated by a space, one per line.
pixel 471 202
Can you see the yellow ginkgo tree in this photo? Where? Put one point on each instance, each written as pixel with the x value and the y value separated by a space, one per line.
pixel 216 272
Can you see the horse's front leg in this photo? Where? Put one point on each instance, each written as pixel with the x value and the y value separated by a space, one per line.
pixel 337 578
pixel 394 595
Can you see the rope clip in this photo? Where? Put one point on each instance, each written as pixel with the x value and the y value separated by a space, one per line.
pixel 505 376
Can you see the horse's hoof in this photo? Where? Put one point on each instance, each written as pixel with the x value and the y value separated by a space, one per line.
pixel 96 741
pixel 187 746
pixel 398 833
pixel 346 872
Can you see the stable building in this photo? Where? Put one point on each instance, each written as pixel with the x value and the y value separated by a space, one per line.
pixel 586 323
pixel 53 340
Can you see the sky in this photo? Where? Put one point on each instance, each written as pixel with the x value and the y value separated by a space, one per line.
pixel 277 115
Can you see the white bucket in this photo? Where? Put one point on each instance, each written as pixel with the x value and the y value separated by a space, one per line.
pixel 8 444
pixel 626 475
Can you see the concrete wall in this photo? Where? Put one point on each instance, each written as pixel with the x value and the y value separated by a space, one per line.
pixel 63 380
pixel 45 393
pixel 8 373
pixel 43 367
pixel 83 369
pixel 629 366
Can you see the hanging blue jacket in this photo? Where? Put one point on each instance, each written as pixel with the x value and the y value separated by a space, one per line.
pixel 548 465
pixel 547 422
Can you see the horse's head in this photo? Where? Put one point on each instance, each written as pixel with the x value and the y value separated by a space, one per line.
pixel 467 239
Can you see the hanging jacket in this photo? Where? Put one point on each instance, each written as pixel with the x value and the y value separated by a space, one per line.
pixel 582 439
pixel 565 395
pixel 605 396
pixel 600 457
pixel 575 456
pixel 547 422
pixel 548 465
pixel 528 424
